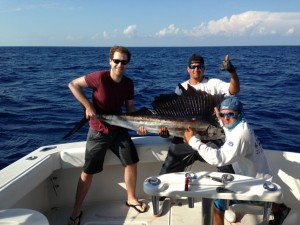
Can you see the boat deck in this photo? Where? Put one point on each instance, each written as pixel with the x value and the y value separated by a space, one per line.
pixel 117 213
pixel 175 212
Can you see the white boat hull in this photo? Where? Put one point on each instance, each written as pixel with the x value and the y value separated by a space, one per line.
pixel 45 181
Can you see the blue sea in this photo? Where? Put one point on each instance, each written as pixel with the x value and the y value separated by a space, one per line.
pixel 37 108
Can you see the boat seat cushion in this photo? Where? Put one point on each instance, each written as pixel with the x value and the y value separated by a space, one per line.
pixel 22 216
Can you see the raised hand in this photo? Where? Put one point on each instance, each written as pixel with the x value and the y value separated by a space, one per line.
pixel 226 65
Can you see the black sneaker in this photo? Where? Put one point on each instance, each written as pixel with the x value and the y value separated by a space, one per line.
pixel 280 215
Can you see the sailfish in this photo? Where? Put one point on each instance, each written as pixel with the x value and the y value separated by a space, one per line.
pixel 194 109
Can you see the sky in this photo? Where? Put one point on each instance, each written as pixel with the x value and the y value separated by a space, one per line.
pixel 149 23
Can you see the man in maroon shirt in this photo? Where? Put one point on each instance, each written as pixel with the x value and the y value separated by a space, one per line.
pixel 111 89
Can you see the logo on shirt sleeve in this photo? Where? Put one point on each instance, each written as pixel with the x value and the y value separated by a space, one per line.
pixel 230 143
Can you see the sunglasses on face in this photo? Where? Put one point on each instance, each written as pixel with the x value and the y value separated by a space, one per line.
pixel 229 115
pixel 199 67
pixel 117 61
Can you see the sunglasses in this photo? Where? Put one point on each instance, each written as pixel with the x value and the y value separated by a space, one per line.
pixel 229 115
pixel 117 61
pixel 199 67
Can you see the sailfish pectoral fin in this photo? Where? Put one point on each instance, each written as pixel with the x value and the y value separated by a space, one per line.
pixel 79 125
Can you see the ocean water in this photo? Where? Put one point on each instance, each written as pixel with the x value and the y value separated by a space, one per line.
pixel 37 108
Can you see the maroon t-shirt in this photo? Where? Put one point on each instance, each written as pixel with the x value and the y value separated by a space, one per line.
pixel 108 97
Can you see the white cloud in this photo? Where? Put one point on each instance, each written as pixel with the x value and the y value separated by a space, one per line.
pixel 254 23
pixel 105 34
pixel 109 35
pixel 290 31
pixel 70 38
pixel 130 30
pixel 73 38
pixel 170 30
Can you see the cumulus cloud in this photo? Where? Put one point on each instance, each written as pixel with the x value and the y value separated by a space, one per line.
pixel 248 23
pixel 130 30
pixel 169 30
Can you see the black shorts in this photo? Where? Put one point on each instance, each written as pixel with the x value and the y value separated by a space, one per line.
pixel 98 143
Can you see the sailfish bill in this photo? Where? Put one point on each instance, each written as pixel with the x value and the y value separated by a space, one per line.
pixel 79 125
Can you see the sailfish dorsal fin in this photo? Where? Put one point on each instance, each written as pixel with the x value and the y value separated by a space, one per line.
pixel 191 103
